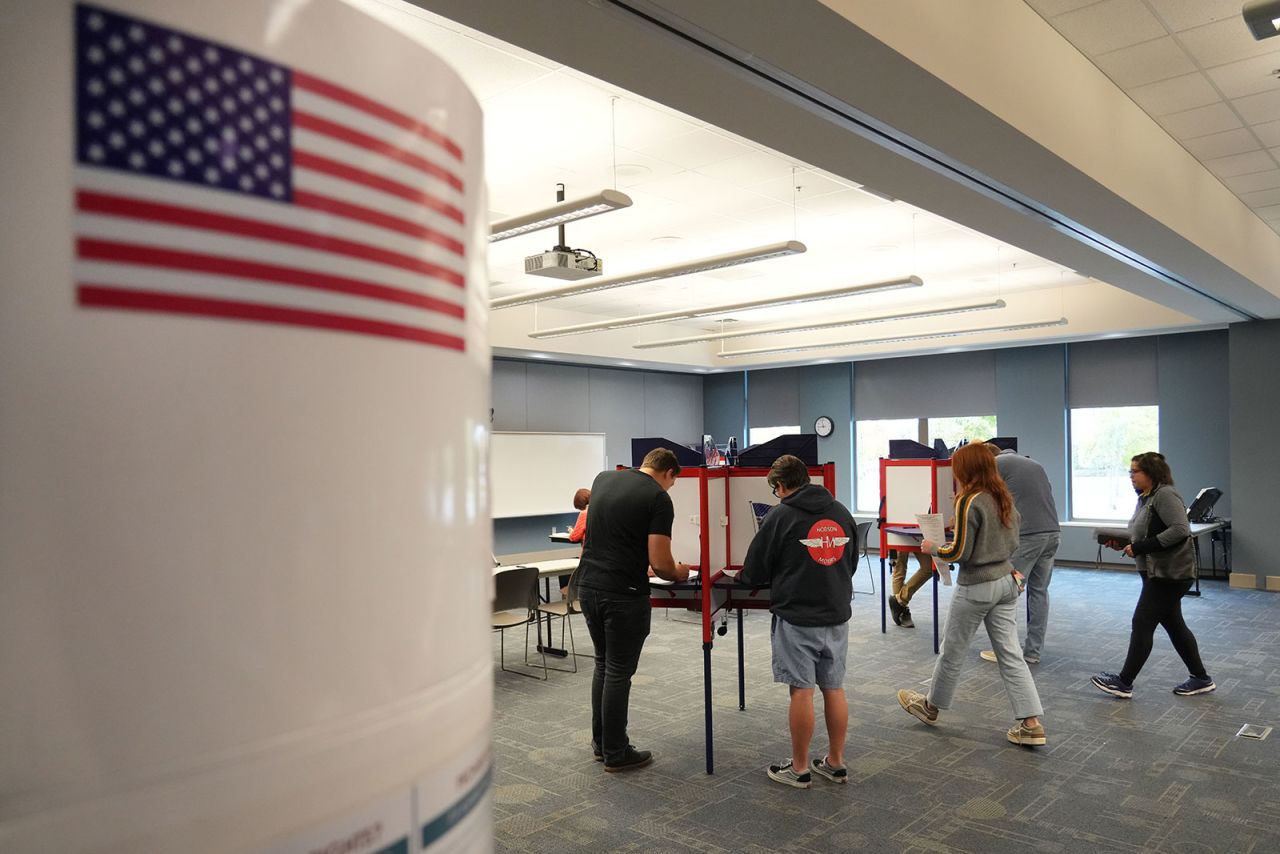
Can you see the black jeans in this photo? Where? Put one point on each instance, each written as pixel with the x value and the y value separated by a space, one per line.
pixel 618 626
pixel 1160 604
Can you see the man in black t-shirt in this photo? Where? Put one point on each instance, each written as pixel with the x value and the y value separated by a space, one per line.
pixel 628 531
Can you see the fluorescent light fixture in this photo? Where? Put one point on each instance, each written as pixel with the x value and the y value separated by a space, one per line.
pixel 702 265
pixel 559 214
pixel 896 339
pixel 1262 17
pixel 726 308
pixel 811 326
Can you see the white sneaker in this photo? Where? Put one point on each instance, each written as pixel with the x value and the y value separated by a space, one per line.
pixel 988 655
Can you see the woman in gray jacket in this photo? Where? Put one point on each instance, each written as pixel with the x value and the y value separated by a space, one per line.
pixel 1160 544
pixel 986 533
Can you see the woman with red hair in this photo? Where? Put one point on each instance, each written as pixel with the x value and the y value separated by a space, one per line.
pixel 987 588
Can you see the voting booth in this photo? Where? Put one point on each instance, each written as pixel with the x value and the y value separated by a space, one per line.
pixel 909 487
pixel 713 527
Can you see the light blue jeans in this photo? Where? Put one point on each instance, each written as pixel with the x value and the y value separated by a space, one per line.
pixel 994 603
pixel 1034 559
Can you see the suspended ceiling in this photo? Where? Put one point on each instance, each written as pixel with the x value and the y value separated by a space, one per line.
pixel 831 124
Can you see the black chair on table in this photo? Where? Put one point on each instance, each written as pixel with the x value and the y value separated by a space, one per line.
pixel 515 603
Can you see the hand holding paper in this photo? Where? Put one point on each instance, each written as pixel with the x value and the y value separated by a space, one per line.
pixel 934 531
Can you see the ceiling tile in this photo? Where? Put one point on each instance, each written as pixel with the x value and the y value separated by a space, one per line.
pixel 1222 42
pixel 1271 213
pixel 699 148
pixel 811 185
pixel 1268 133
pixel 1222 144
pixel 1201 121
pixel 1181 15
pixel 749 169
pixel 1241 184
pixel 842 203
pixel 1240 164
pixel 1260 108
pixel 1262 198
pixel 1248 76
pixel 1144 63
pixel 1049 8
pixel 1175 95
pixel 1108 26
pixel 639 125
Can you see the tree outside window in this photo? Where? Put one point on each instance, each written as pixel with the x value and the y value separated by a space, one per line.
pixel 1103 440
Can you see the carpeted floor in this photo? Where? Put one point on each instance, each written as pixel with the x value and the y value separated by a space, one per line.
pixel 1155 773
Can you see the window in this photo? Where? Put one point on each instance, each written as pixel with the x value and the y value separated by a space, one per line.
pixel 757 435
pixel 1103 439
pixel 872 438
pixel 953 429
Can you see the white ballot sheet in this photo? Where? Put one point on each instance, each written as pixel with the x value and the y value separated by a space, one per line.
pixel 934 529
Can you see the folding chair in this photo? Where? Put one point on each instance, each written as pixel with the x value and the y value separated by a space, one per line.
pixel 515 603
pixel 863 530
pixel 564 609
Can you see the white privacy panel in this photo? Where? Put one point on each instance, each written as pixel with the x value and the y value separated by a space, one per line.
pixel 686 530
pixel 716 521
pixel 536 474
pixel 743 489
pixel 909 490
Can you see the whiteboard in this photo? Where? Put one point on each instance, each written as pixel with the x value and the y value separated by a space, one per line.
pixel 536 474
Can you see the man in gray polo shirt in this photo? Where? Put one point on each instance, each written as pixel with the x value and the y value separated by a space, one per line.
pixel 1037 541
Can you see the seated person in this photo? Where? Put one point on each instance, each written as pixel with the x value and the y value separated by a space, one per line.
pixel 581 499
pixel 902 593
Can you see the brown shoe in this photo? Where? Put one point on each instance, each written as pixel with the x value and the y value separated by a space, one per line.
pixel 1028 736
pixel 915 704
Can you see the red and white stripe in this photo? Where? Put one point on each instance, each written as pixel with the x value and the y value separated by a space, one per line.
pixel 373 243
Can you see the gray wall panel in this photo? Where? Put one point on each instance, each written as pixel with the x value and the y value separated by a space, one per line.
pixel 509 411
pixel 773 397
pixel 673 407
pixel 724 412
pixel 926 386
pixel 1031 404
pixel 1120 372
pixel 1254 353
pixel 1194 406
pixel 556 398
pixel 828 390
pixel 617 409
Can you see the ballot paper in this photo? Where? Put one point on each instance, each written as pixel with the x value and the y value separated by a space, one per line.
pixel 693 576
pixel 934 530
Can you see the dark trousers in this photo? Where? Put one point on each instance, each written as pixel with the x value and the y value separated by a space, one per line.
pixel 618 626
pixel 1160 604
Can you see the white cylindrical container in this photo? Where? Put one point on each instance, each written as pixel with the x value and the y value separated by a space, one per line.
pixel 244 385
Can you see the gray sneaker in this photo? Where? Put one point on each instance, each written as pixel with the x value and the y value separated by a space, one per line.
pixel 823 769
pixel 786 775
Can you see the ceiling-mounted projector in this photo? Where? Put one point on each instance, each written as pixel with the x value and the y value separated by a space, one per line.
pixel 561 262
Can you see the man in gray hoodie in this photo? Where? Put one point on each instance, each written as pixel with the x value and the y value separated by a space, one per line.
pixel 805 553
pixel 1038 539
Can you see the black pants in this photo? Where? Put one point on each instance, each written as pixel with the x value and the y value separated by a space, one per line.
pixel 1160 604
pixel 618 626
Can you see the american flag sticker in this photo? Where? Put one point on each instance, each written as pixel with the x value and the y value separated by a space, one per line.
pixel 213 182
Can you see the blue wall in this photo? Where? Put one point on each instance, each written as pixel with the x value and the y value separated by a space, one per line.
pixel 1031 403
